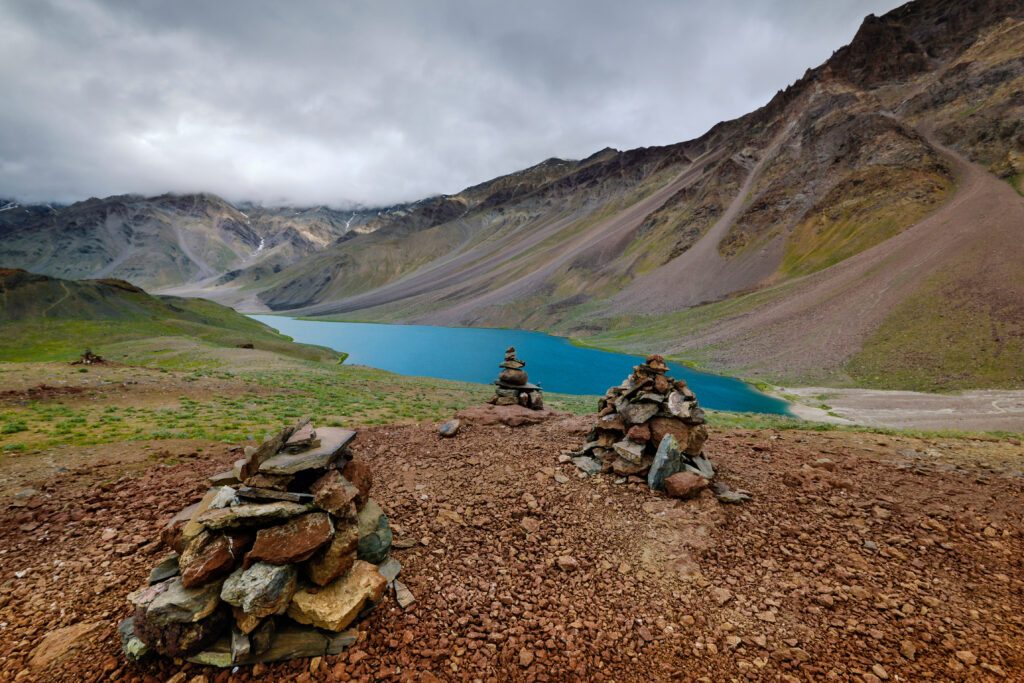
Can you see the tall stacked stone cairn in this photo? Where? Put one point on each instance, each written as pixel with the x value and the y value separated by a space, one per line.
pixel 513 385
pixel 649 426
pixel 281 557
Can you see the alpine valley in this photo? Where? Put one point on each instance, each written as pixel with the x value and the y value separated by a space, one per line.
pixel 863 228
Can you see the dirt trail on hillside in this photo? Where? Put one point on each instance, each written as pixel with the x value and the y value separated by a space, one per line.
pixel 858 554
pixel 823 319
pixel 701 273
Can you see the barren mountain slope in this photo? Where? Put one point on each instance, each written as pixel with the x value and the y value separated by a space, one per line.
pixel 810 197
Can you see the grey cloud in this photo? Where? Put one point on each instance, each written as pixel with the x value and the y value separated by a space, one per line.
pixel 374 101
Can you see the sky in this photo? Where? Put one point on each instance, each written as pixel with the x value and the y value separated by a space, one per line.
pixel 373 102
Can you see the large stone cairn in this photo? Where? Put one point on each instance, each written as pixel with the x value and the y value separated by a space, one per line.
pixel 650 425
pixel 513 385
pixel 278 560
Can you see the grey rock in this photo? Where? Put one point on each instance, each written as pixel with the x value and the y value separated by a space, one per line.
pixel 167 569
pixel 262 589
pixel 587 465
pixel 374 533
pixel 332 443
pixel 227 478
pixel 727 495
pixel 390 569
pixel 248 514
pixel 132 646
pixel 240 648
pixel 290 642
pixel 629 450
pixel 702 466
pixel 667 461
pixel 255 493
pixel 177 604
pixel 636 413
pixel 225 497
pixel 450 428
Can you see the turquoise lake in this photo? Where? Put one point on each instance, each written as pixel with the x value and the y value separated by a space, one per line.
pixel 472 355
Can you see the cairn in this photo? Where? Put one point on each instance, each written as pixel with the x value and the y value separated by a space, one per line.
pixel 280 558
pixel 513 385
pixel 650 425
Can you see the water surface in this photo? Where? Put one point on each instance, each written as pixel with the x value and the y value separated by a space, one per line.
pixel 472 355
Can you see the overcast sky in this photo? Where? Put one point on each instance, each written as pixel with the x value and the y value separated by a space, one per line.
pixel 375 101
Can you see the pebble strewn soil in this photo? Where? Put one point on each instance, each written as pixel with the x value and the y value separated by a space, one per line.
pixel 861 557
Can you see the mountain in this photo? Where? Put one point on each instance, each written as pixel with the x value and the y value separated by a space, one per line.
pixel 862 227
pixel 169 240
pixel 47 318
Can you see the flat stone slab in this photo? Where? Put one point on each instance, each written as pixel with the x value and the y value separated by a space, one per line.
pixel 290 642
pixel 332 440
pixel 251 514
pixel 256 493
pixel 522 387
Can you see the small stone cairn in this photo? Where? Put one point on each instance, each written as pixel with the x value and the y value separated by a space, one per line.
pixel 513 385
pixel 280 558
pixel 650 426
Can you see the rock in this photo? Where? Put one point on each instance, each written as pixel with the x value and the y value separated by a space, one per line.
pixel 251 514
pixel 255 493
pixel 171 534
pixel 685 408
pixel 374 533
pixel 335 558
pixel 561 478
pixel 271 482
pixel 270 446
pixel 967 657
pixel 908 649
pixel 240 645
pixel 337 605
pixel 525 657
pixel 630 451
pixel 133 648
pixel 639 433
pixel 334 493
pixel 727 495
pixel 667 461
pixel 166 569
pixel 685 485
pixel 450 428
pixel 226 478
pixel 625 468
pixel 702 466
pixel 390 569
pixel 171 602
pixel 211 556
pixel 403 595
pixel 359 474
pixel 289 642
pixel 614 422
pixel 531 524
pixel 332 442
pixel 690 438
pixel 224 497
pixel 567 563
pixel 56 645
pixel 587 465
pixel 294 541
pixel 303 438
pixel 635 413
pixel 262 589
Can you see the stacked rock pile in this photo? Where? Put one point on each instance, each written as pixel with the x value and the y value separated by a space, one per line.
pixel 278 560
pixel 650 425
pixel 513 384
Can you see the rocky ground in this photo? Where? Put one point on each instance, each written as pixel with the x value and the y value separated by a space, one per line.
pixel 861 557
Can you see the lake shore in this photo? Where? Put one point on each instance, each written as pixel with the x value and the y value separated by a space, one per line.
pixel 984 410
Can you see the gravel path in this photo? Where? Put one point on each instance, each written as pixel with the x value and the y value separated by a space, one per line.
pixel 861 557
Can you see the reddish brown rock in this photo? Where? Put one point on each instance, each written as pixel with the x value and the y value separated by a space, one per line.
pixel 639 433
pixel 337 495
pixel 359 474
pixel 294 541
pixel 334 559
pixel 171 533
pixel 211 556
pixel 691 438
pixel 685 485
pixel 661 384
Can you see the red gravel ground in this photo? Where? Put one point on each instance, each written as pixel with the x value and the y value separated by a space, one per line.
pixel 891 559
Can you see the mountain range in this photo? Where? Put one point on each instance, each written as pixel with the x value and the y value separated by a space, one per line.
pixel 864 227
